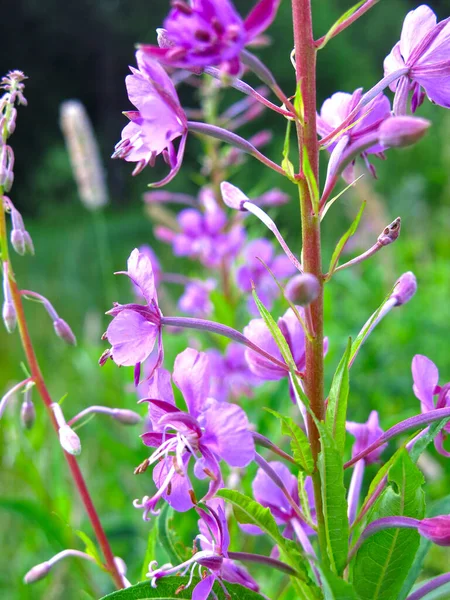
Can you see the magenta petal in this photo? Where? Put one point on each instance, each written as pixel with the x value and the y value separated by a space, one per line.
pixel 160 386
pixel 259 334
pixel 140 271
pixel 203 589
pixel 260 17
pixel 227 434
pixel 416 25
pixel 154 439
pixel 267 493
pixel 132 338
pixel 191 375
pixel 425 377
pixel 179 497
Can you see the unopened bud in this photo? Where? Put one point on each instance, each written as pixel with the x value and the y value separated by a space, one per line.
pixel 232 196
pixel 38 572
pixel 18 241
pixel 9 316
pixel 402 131
pixel 390 233
pixel 27 414
pixel 29 246
pixel 302 289
pixel 405 288
pixel 63 331
pixel 11 126
pixel 436 529
pixel 274 197
pixel 69 440
pixel 126 417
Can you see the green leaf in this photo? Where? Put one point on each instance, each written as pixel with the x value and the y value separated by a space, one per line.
pixel 341 19
pixel 171 588
pixel 150 552
pixel 344 239
pixel 334 502
pixel 300 446
pixel 423 442
pixel 383 561
pixel 310 180
pixel 337 401
pixel 91 548
pixel 299 105
pixel 286 164
pixel 167 536
pixel 330 203
pixel 334 587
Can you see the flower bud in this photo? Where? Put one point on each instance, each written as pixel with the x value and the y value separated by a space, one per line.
pixel 302 289
pixel 390 233
pixel 436 529
pixel 27 414
pixel 29 246
pixel 232 196
pixel 401 131
pixel 11 125
pixel 63 331
pixel 405 288
pixel 69 440
pixel 18 241
pixel 9 316
pixel 126 417
pixel 38 572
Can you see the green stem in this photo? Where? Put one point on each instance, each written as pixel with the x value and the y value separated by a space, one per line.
pixel 305 60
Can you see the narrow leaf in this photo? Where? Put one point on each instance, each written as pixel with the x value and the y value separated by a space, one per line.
pixel 384 560
pixel 330 203
pixel 150 552
pixel 311 181
pixel 167 536
pixel 178 588
pixel 334 587
pixel 337 401
pixel 337 23
pixel 286 164
pixel 421 445
pixel 91 548
pixel 334 502
pixel 300 446
pixel 344 239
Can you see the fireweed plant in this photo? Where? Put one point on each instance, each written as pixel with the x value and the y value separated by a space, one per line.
pixel 328 540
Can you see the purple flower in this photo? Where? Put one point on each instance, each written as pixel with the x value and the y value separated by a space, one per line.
pixel 157 123
pixel 254 271
pixel 336 109
pixel 146 250
pixel 208 432
pixel 212 561
pixel 196 301
pixel 205 235
pixel 204 33
pixel 231 377
pixel 258 333
pixel 365 434
pixel 426 377
pixel 436 529
pixel 424 48
pixel 269 495
pixel 135 328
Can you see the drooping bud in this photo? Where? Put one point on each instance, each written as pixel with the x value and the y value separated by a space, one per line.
pixel 63 331
pixel 401 131
pixel 20 238
pixel 38 572
pixel 302 289
pixel 390 233
pixel 18 241
pixel 436 529
pixel 232 196
pixel 126 417
pixel 8 311
pixel 27 411
pixel 68 439
pixel 405 288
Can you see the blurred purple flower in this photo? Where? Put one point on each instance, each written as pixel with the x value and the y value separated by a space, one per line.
pixel 208 432
pixel 365 434
pixel 157 123
pixel 204 33
pixel 424 48
pixel 135 328
pixel 336 109
pixel 195 300
pixel 426 378
pixel 231 377
pixel 254 271
pixel 204 235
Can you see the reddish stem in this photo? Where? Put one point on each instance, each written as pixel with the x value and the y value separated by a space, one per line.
pixel 305 61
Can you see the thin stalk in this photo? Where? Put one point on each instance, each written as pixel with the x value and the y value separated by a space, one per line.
pixel 38 379
pixel 305 64
pixel 347 22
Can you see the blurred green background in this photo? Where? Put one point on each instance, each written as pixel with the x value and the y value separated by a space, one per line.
pixel 81 50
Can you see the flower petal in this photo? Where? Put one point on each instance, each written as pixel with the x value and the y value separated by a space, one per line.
pixel 203 589
pixel 416 25
pixel 132 338
pixel 177 495
pixel 140 271
pixel 191 374
pixel 426 377
pixel 260 17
